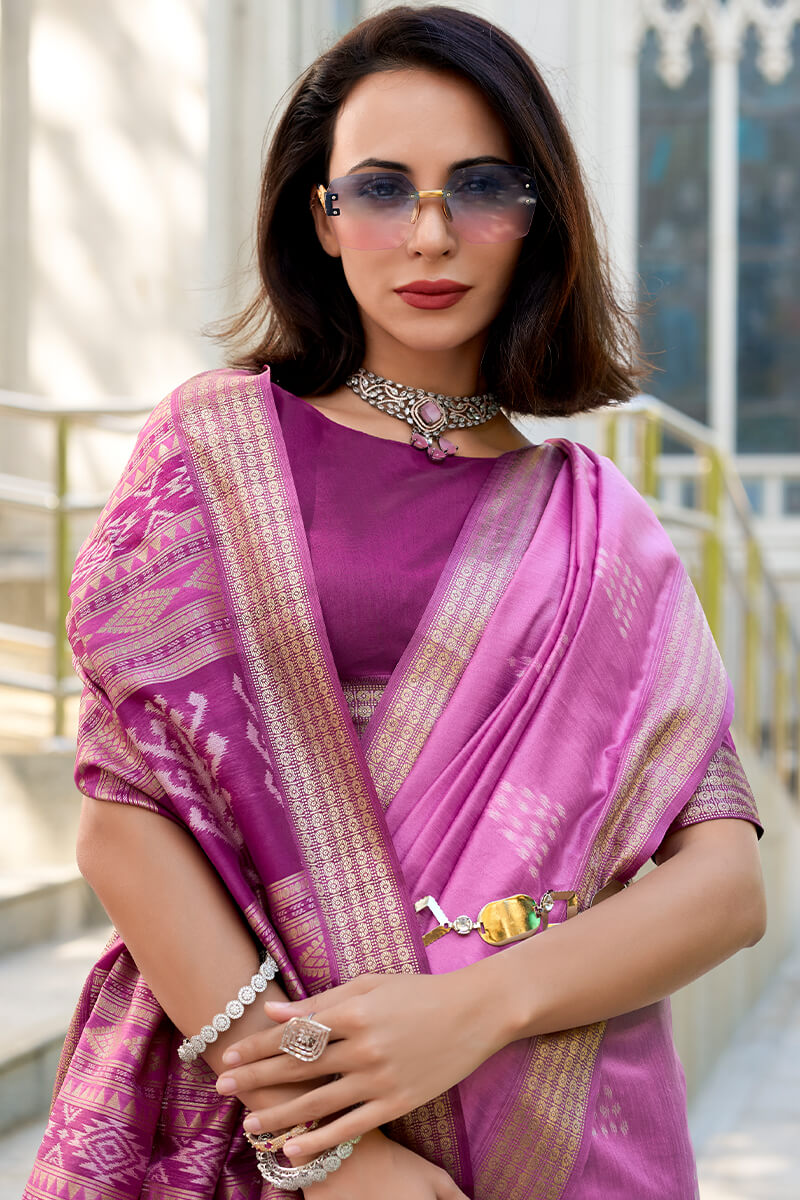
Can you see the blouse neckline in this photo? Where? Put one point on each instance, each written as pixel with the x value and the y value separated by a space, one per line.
pixel 374 437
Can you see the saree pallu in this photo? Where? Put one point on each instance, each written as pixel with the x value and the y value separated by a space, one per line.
pixel 556 709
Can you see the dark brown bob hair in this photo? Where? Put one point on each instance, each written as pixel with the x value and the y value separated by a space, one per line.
pixel 562 343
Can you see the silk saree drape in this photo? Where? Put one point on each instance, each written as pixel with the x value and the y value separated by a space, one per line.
pixel 556 709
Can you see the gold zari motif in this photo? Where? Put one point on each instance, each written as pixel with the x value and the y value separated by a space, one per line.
pixel 486 565
pixel 723 792
pixel 363 695
pixel 238 462
pixel 691 686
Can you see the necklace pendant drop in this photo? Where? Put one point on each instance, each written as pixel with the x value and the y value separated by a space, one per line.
pixel 428 413
pixel 428 423
pixel 437 447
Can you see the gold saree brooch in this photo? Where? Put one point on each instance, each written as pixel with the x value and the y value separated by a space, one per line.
pixel 500 921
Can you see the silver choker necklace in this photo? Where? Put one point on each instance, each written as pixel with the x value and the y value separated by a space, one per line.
pixel 428 413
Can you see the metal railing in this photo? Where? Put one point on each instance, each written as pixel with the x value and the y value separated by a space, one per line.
pixel 762 650
pixel 748 616
pixel 56 500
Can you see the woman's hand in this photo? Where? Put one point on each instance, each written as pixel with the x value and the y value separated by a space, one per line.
pixel 397 1041
pixel 380 1167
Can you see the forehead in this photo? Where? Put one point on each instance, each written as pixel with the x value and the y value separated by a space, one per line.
pixel 415 116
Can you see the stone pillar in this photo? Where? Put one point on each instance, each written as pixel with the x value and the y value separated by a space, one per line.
pixel 14 193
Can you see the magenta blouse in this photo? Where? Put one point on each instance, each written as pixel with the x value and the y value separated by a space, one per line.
pixel 381 520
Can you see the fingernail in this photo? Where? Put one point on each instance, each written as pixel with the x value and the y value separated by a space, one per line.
pixel 231 1058
pixel 291 1148
pixel 226 1083
pixel 252 1125
pixel 279 1003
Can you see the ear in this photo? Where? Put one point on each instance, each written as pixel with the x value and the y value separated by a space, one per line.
pixel 324 227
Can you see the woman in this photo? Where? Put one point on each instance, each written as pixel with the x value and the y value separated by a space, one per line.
pixel 455 690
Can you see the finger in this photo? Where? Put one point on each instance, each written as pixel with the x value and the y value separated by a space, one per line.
pixel 284 1010
pixel 316 1104
pixel 337 1059
pixel 265 1044
pixel 352 1124
pixel 448 1190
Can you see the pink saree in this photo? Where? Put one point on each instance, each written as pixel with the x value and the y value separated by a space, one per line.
pixel 560 705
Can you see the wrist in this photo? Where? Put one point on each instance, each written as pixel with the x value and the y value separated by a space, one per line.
pixel 501 989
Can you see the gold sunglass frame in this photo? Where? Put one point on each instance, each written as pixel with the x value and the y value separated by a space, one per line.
pixel 425 194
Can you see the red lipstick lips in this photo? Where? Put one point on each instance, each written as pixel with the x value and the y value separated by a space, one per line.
pixel 432 293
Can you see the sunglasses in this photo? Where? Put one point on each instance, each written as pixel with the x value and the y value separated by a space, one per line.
pixel 376 210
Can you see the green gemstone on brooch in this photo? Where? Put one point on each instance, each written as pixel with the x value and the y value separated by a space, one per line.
pixel 534 921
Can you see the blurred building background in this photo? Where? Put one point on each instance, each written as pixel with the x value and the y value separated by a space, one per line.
pixel 131 138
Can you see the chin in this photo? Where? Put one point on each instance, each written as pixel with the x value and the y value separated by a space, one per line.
pixel 432 334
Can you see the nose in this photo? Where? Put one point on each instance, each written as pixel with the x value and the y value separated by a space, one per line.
pixel 432 235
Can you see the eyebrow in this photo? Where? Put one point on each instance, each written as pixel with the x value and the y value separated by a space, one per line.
pixel 404 168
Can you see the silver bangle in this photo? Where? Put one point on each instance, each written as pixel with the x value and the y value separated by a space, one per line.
pixel 292 1179
pixel 191 1048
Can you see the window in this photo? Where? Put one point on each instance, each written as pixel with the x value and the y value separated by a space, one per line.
pixel 755 493
pixel 673 227
pixel 791 497
pixel 769 256
pixel 749 379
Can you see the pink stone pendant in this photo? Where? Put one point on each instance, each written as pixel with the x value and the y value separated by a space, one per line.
pixel 438 448
pixel 430 412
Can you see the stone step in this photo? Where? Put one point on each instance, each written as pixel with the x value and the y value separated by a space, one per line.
pixel 39 988
pixel 17 1152
pixel 40 805
pixel 44 904
pixel 23 594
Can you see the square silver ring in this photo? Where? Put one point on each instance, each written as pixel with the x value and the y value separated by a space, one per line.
pixel 304 1038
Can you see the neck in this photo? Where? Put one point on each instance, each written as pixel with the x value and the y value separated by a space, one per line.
pixel 453 372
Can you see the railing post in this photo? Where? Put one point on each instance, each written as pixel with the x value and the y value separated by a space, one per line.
pixel 752 646
pixel 713 560
pixel 650 452
pixel 781 705
pixel 610 437
pixel 61 573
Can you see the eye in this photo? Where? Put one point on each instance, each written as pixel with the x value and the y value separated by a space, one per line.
pixel 382 188
pixel 482 183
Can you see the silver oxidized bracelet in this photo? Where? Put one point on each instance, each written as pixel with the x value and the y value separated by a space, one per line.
pixel 191 1048
pixel 291 1179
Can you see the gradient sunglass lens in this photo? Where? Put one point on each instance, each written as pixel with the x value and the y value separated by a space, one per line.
pixel 375 210
pixel 491 204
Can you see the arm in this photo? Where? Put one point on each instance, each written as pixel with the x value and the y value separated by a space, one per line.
pixel 174 915
pixel 704 902
pixel 190 944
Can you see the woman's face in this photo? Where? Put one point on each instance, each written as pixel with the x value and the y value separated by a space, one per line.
pixel 422 123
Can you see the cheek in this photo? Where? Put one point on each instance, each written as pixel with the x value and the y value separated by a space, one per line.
pixel 364 273
pixel 500 270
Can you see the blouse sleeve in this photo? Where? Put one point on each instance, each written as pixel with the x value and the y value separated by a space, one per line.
pixel 723 792
pixel 108 765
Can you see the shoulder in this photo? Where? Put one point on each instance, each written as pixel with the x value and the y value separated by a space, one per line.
pixel 604 480
pixel 155 492
pixel 217 387
pixel 619 521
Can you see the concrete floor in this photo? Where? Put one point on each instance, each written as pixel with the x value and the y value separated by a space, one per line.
pixel 745 1123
